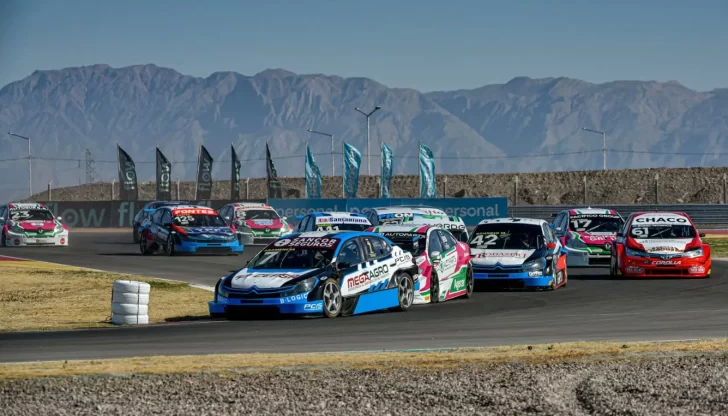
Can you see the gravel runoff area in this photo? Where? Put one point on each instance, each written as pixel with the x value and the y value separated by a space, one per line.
pixel 692 384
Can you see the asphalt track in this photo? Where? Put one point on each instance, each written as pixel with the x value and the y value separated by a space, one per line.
pixel 592 307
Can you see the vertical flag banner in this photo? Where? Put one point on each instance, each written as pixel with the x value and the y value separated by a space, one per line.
pixel 128 190
pixel 164 177
pixel 352 163
pixel 428 186
pixel 204 175
pixel 274 186
pixel 234 174
pixel 313 176
pixel 386 176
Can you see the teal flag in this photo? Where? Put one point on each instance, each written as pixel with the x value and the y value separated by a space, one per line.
pixel 428 185
pixel 313 176
pixel 386 176
pixel 352 163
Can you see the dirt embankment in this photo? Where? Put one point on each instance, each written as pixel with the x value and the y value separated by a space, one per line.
pixel 689 185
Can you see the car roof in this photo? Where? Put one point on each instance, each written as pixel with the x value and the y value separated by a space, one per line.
pixel 26 205
pixel 176 207
pixel 435 219
pixel 245 205
pixel 587 211
pixel 420 229
pixel 339 214
pixel 532 221
pixel 659 213
pixel 407 209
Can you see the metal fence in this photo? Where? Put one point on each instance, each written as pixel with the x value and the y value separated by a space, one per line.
pixel 703 215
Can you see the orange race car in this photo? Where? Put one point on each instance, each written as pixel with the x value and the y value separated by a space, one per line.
pixel 660 244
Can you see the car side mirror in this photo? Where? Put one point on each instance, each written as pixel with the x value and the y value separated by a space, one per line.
pixel 342 265
pixel 620 234
pixel 284 218
pixel 59 219
pixel 550 246
pixel 167 225
pixel 227 218
pixel 554 215
pixel 436 257
pixel 702 235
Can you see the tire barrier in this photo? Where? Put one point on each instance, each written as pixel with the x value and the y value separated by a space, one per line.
pixel 130 302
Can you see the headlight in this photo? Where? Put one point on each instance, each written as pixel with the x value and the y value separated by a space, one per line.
pixel 635 253
pixel 306 285
pixel 221 289
pixel 231 237
pixel 535 264
pixel 574 243
pixel 694 253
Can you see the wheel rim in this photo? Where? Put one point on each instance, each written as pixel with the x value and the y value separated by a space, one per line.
pixel 143 245
pixel 471 281
pixel 332 298
pixel 406 291
pixel 168 246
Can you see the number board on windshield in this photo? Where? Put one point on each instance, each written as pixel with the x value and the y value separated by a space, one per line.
pixel 485 239
pixel 322 243
pixel 192 211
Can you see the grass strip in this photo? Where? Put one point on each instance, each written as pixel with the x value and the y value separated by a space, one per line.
pixel 718 246
pixel 40 296
pixel 425 360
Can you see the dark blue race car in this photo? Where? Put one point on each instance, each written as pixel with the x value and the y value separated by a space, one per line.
pixel 146 211
pixel 321 273
pixel 187 229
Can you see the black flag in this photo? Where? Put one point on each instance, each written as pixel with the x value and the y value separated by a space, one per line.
pixel 164 177
pixel 204 175
pixel 274 187
pixel 234 175
pixel 128 190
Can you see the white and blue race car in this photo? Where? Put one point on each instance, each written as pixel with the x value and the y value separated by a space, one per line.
pixel 329 273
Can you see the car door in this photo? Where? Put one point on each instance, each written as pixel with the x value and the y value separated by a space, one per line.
pixel 449 262
pixel 156 225
pixel 350 265
pixel 165 226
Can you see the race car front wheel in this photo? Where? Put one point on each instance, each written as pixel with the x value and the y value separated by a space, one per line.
pixel 3 240
pixel 332 298
pixel 169 246
pixel 434 287
pixel 143 248
pixel 469 283
pixel 405 291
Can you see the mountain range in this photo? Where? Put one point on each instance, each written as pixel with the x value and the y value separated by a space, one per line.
pixel 488 129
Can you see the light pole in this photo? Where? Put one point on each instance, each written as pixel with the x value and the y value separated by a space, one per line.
pixel 30 169
pixel 604 145
pixel 369 155
pixel 333 170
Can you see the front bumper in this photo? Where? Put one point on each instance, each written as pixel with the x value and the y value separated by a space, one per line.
pixel 294 304
pixel 233 247
pixel 583 258
pixel 22 240
pixel 646 267
pixel 514 280
pixel 258 239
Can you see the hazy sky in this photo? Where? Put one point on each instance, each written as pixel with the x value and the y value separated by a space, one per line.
pixel 423 44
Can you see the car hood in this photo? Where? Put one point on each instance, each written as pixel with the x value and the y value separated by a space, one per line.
pixel 595 239
pixel 663 245
pixel 483 257
pixel 246 279
pixel 207 230
pixel 263 224
pixel 33 226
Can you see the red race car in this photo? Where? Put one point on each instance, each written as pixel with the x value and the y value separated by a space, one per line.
pixel 660 244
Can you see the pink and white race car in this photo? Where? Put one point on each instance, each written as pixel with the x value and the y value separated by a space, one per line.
pixel 30 224
pixel 445 269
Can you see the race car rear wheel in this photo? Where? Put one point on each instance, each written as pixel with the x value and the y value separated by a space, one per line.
pixel 434 287
pixel 405 291
pixel 135 234
pixel 143 248
pixel 169 246
pixel 469 283
pixel 3 240
pixel 612 267
pixel 332 298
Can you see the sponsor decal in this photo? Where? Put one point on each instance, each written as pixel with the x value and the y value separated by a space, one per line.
pixel 449 261
pixel 535 274
pixel 697 269
pixel 661 220
pixel 263 222
pixel 266 275
pixel 403 258
pixel 368 277
pixel 193 211
pixel 458 284
pixel 307 242
pixel 447 226
pixel 402 235
pixel 670 249
pixel 515 255
pixel 666 263
pixel 313 306
pixel 295 298
pixel 341 220
pixel 635 269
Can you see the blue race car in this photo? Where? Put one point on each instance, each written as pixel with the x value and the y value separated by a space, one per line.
pixel 187 229
pixel 321 273
pixel 146 211
pixel 517 253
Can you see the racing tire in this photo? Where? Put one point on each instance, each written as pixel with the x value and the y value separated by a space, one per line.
pixel 144 246
pixel 333 301
pixel 469 283
pixel 612 267
pixel 169 246
pixel 135 234
pixel 126 297
pixel 434 287
pixel 3 240
pixel 405 291
pixel 129 286
pixel 129 309
pixel 129 319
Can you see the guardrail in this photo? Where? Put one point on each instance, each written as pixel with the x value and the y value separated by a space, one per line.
pixel 703 215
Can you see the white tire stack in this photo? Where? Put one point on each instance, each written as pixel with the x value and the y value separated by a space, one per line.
pixel 130 302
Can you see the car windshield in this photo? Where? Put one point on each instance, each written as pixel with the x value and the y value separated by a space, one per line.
pixel 415 243
pixel 256 214
pixel 595 223
pixel 31 215
pixel 504 236
pixel 199 220
pixel 296 253
pixel 342 227
pixel 662 231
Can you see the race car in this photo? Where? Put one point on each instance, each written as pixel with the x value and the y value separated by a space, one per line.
pixel 255 223
pixel 395 214
pixel 455 225
pixel 147 210
pixel 660 244
pixel 444 267
pixel 187 229
pixel 517 253
pixel 587 234
pixel 329 273
pixel 332 221
pixel 31 224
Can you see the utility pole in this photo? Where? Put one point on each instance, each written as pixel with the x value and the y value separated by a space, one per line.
pixel 30 168
pixel 369 156
pixel 604 145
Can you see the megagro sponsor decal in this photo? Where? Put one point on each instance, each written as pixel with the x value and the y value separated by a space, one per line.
pixel 367 277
